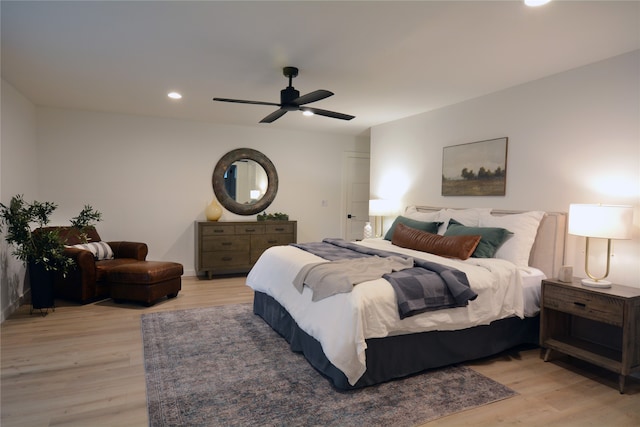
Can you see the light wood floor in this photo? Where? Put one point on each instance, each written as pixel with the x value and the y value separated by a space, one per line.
pixel 83 366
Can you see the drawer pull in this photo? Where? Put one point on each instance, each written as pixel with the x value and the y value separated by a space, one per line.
pixel 227 258
pixel 279 229
pixel 272 241
pixel 218 231
pixel 580 304
pixel 249 230
pixel 227 243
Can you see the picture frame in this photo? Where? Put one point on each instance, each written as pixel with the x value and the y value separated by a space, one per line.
pixel 476 168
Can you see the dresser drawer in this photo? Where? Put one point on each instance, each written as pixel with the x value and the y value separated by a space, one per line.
pixel 249 229
pixel 228 243
pixel 264 241
pixel 603 308
pixel 284 228
pixel 217 229
pixel 259 244
pixel 225 260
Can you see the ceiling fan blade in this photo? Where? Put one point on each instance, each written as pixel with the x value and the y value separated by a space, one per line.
pixel 326 113
pixel 274 116
pixel 242 101
pixel 314 96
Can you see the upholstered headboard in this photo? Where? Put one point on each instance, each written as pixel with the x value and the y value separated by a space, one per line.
pixel 547 253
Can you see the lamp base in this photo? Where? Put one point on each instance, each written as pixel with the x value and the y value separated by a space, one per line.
pixel 596 283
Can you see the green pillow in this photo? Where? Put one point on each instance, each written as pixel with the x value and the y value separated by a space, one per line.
pixel 490 237
pixel 429 227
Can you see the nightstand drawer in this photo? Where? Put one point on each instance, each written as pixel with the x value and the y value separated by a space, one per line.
pixel 603 308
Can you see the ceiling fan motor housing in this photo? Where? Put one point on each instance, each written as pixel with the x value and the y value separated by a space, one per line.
pixel 286 98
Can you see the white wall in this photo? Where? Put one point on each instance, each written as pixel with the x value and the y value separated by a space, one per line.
pixel 573 138
pixel 18 175
pixel 151 177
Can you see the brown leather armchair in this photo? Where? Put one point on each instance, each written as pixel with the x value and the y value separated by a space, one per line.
pixel 87 280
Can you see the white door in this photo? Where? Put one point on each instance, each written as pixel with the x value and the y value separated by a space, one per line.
pixel 356 189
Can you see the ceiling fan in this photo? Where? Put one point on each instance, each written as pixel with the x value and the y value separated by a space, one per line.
pixel 290 100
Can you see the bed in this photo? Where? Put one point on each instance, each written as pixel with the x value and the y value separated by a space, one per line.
pixel 358 339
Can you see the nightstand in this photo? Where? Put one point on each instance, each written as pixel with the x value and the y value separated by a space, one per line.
pixel 599 326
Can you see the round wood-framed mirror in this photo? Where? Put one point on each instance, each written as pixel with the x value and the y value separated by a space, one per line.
pixel 245 181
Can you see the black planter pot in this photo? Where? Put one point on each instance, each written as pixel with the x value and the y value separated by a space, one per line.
pixel 41 282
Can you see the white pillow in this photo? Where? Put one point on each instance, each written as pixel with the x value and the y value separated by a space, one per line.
pixel 524 227
pixel 100 250
pixel 412 213
pixel 469 217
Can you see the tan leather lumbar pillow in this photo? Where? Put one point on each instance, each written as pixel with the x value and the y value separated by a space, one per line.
pixel 460 247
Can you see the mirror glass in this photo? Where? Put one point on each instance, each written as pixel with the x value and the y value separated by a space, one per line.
pixel 245 181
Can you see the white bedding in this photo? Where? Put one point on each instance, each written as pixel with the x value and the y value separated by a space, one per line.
pixel 342 322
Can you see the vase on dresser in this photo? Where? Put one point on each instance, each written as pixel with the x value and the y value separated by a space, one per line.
pixel 213 211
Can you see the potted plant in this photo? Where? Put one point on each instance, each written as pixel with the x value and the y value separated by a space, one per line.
pixel 278 216
pixel 40 249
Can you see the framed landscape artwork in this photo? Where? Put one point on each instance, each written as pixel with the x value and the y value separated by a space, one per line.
pixel 475 169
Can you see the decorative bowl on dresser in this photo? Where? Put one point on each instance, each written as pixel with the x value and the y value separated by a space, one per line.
pixel 600 326
pixel 234 247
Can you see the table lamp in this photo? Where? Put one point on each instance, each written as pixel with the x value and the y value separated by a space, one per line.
pixel 380 208
pixel 604 222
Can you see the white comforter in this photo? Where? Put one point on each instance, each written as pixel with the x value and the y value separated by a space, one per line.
pixel 342 322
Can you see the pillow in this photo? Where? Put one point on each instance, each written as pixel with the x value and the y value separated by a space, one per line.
pixel 447 246
pixel 431 227
pixel 492 237
pixel 469 217
pixel 412 212
pixel 100 250
pixel 517 248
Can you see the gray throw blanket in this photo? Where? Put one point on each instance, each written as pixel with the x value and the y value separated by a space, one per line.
pixel 335 277
pixel 427 286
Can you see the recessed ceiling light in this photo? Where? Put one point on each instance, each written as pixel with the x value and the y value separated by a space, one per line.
pixel 174 95
pixel 534 3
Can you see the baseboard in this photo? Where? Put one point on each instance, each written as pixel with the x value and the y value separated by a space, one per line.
pixel 14 306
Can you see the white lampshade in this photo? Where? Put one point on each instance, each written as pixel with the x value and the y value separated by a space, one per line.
pixel 380 207
pixel 602 221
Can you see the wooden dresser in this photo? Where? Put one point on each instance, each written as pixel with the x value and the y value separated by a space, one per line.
pixel 234 247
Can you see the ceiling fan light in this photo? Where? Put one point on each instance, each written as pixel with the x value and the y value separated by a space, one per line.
pixel 307 113
pixel 534 3
pixel 174 95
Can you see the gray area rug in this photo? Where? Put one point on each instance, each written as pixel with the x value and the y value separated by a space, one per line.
pixel 223 366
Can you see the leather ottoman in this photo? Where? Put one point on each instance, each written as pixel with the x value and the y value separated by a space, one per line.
pixel 145 281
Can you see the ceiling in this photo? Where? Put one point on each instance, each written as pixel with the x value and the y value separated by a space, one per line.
pixel 383 60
